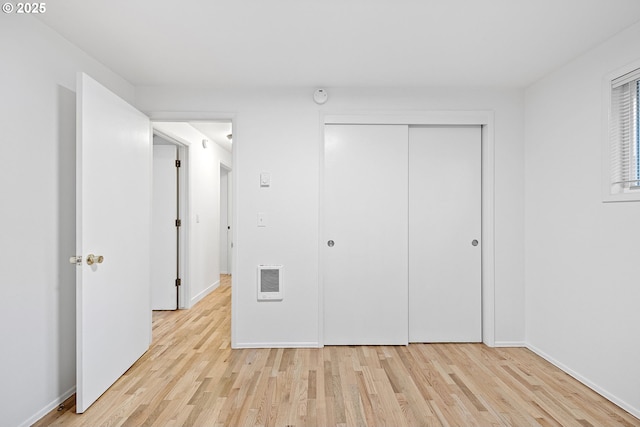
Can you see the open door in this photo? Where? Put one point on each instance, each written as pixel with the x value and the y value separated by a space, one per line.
pixel 113 216
pixel 165 232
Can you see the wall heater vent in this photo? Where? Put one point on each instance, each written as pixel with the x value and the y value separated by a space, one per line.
pixel 270 283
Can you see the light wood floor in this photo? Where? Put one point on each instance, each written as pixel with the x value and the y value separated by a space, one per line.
pixel 191 377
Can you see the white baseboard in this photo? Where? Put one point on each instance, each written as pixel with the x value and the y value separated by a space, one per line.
pixel 49 407
pixel 509 344
pixel 205 292
pixel 604 393
pixel 276 345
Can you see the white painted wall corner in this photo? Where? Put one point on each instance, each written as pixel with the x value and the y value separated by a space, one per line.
pixel 204 292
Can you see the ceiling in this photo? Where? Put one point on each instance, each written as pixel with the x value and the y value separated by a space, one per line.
pixel 216 132
pixel 191 131
pixel 362 43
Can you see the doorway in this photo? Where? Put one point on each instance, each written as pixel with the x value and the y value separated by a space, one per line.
pixel 114 211
pixel 226 241
pixel 166 224
pixel 207 146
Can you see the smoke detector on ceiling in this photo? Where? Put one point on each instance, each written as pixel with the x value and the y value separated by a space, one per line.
pixel 320 96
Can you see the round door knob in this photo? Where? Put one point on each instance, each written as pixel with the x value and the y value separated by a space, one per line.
pixel 474 242
pixel 92 259
pixel 330 243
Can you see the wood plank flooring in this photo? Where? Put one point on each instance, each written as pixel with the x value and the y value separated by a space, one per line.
pixel 191 377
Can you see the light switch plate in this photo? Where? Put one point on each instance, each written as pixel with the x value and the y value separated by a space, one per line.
pixel 265 179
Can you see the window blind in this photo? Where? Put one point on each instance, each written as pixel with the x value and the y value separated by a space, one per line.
pixel 625 166
pixel 625 78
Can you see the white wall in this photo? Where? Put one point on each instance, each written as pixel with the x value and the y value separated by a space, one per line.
pixel 582 285
pixel 37 289
pixel 204 207
pixel 279 131
pixel 581 301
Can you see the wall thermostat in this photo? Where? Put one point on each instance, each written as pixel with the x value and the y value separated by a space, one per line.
pixel 320 96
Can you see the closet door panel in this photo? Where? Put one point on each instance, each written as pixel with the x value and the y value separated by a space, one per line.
pixel 365 234
pixel 444 234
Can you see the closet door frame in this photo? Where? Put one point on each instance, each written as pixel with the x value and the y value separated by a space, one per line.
pixel 483 118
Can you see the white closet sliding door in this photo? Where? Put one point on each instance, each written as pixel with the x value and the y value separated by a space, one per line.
pixel 402 225
pixel 444 234
pixel 365 234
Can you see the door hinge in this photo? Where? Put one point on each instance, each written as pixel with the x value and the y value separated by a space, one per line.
pixel 178 282
pixel 178 163
pixel 178 223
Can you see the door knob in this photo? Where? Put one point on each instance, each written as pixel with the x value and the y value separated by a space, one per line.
pixel 330 243
pixel 474 242
pixel 92 259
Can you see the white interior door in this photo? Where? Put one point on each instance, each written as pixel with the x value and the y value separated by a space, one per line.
pixel 365 216
pixel 164 237
pixel 224 221
pixel 444 220
pixel 113 220
pixel 230 222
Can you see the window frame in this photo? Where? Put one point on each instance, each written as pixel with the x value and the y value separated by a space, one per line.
pixel 636 149
pixel 609 193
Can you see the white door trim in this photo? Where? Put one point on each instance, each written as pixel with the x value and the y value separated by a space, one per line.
pixel 484 118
